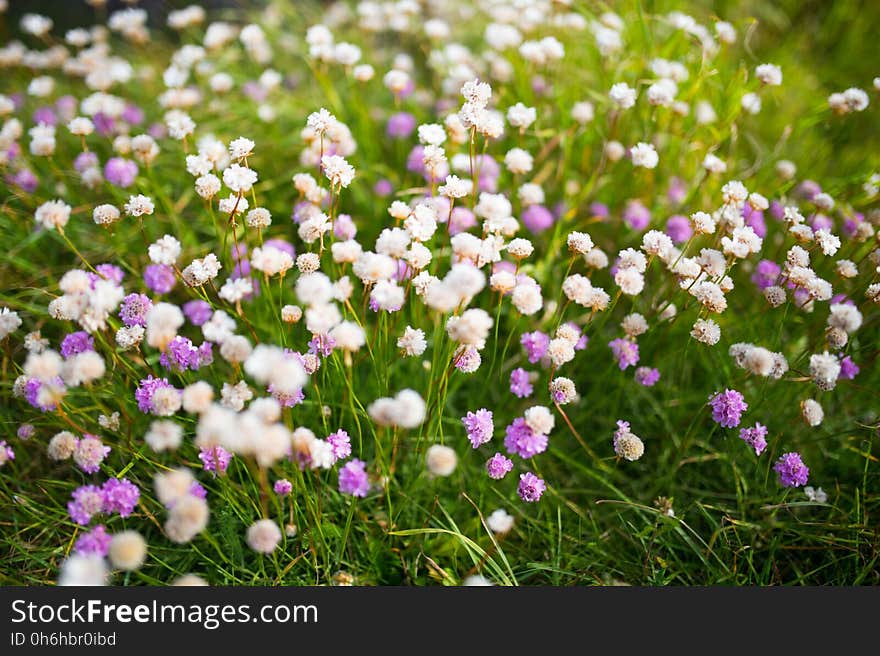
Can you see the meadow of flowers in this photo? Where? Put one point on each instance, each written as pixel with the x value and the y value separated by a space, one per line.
pixel 400 292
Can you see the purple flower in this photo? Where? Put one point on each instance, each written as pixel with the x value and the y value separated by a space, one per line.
pixel 144 393
pixel 851 224
pixel 498 466
pixel 383 188
pixel 197 490
pixel 777 210
pixel 791 470
pixel 255 91
pixel 519 383
pixel 108 272
pixel 468 360
pixel 157 130
pixel 400 125
pixel 530 487
pixel 535 344
pixel 95 542
pixel 678 228
pixel 6 450
pixel 755 437
pixel 479 426
pixel 536 218
pixel 24 179
pixel 78 342
pixel 132 114
pixel 636 215
pixel 462 219
pixel 414 161
pixel 287 399
pixel 134 309
pixel 66 106
pixel 809 189
pixel 766 273
pixel 489 173
pixel 677 191
pixel 32 393
pixel 120 171
pixel 344 227
pixel 90 453
pixel 88 500
pixel 340 444
pixel 625 352
pixel 85 160
pixel 599 210
pixel 182 354
pixel 104 123
pixel 727 408
pixel 322 345
pixel 755 220
pixel 353 478
pixel 647 376
pixel 198 312
pixel 160 278
pixel 282 487
pixel 120 496
pixel 820 222
pixel 215 459
pixel 848 369
pixel 44 115
pixel 521 440
pixel 24 432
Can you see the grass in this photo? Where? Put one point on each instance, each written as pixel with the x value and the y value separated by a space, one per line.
pixel 600 521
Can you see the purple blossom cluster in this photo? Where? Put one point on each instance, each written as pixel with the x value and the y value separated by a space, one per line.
pixel 727 408
pixel 479 426
pixel 522 441
pixel 181 354
pixel 118 496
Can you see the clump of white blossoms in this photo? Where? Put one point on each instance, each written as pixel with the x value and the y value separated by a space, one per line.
pixel 644 155
pixel 623 95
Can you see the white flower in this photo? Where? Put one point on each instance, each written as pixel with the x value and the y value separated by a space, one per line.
pixel 816 495
pixel 500 521
pixel 337 170
pixel 714 164
pixel 412 342
pixel 706 331
pixel 769 74
pixel 441 460
pixel 662 92
pixel 239 179
pixel 53 214
pixel 81 126
pixel 644 155
pixel 179 124
pixel 234 290
pixel 583 112
pixel 622 95
pixel 139 205
pixel 520 116
pixel 164 251
pixel 9 322
pixel 518 161
pixel 824 370
pixel 241 148
pixel 751 103
pixel 431 134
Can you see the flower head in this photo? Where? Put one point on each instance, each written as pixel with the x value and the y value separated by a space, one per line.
pixel 530 487
pixel 727 408
pixel 791 470
pixel 479 426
